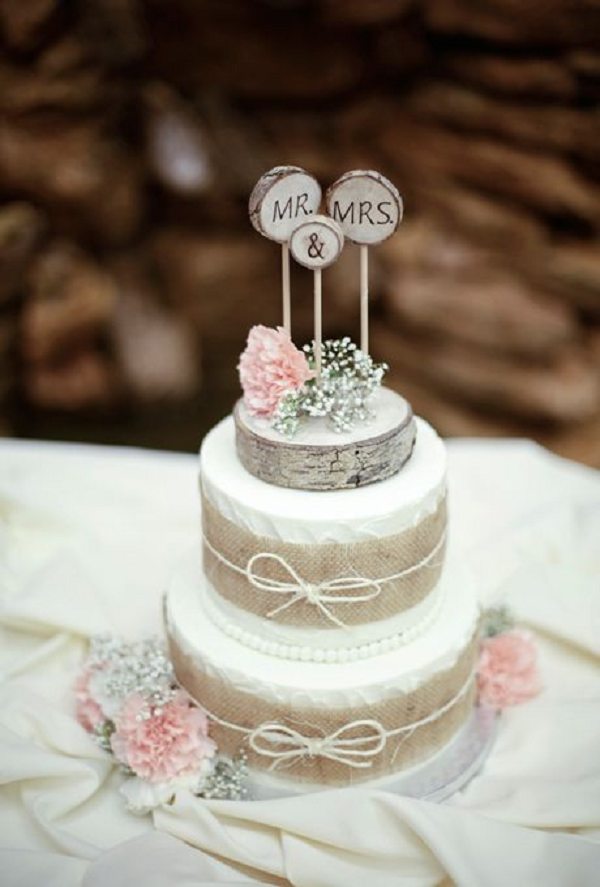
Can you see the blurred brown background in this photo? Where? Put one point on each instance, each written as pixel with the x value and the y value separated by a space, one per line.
pixel 133 130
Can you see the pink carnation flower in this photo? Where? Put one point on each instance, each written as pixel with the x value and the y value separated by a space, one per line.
pixel 507 671
pixel 172 742
pixel 269 366
pixel 89 713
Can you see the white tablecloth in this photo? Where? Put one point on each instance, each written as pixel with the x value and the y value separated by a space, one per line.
pixel 89 537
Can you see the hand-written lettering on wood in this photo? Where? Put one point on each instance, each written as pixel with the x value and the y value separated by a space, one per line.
pixel 317 242
pixel 283 198
pixel 295 208
pixel 366 205
pixel 359 212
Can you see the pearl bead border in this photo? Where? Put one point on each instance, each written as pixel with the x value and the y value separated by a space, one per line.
pixel 331 655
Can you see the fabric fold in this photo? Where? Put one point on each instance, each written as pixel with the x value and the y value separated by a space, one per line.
pixel 526 521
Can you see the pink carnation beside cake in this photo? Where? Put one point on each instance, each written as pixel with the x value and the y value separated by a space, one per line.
pixel 270 366
pixel 127 698
pixel 507 673
pixel 169 742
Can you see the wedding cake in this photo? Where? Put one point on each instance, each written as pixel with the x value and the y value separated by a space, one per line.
pixel 319 625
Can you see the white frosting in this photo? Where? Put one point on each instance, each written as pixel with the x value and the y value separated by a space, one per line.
pixel 353 683
pixel 320 645
pixel 389 411
pixel 309 516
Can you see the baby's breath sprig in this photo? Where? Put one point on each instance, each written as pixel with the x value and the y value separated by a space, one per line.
pixel 227 782
pixel 496 620
pixel 122 668
pixel 348 379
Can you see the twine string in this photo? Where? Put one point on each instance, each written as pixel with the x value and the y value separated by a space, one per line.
pixel 284 745
pixel 319 594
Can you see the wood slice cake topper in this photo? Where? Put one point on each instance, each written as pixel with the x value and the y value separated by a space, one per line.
pixel 368 208
pixel 282 197
pixel 317 243
pixel 366 205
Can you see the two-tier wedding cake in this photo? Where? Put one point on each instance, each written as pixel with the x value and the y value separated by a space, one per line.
pixel 317 623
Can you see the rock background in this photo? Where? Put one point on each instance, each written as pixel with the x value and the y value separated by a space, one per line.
pixel 131 132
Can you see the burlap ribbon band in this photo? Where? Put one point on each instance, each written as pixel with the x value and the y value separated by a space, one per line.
pixel 323 585
pixel 333 746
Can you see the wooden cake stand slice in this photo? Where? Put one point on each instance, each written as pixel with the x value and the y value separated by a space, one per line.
pixel 317 458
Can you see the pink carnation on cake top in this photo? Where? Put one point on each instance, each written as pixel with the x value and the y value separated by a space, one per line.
pixel 507 673
pixel 167 742
pixel 269 367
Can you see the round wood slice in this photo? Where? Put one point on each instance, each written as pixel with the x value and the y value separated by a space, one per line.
pixel 317 458
pixel 366 205
pixel 283 197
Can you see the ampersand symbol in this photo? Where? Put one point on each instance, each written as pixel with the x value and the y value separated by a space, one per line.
pixel 315 250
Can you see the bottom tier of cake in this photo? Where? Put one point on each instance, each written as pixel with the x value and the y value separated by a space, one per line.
pixel 328 724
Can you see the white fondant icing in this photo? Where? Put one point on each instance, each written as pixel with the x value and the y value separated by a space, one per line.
pixel 389 411
pixel 308 516
pixel 354 682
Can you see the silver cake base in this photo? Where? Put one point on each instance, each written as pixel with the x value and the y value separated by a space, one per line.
pixel 434 780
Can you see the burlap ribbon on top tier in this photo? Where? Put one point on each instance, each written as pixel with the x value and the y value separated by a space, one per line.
pixel 335 745
pixel 325 585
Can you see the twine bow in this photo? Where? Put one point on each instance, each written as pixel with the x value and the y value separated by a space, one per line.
pixel 285 745
pixel 319 594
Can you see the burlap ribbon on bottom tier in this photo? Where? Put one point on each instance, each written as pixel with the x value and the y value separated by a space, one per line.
pixel 334 746
pixel 325 585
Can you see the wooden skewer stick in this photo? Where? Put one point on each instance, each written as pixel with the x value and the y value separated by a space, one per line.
pixel 318 321
pixel 281 199
pixel 316 244
pixel 286 288
pixel 368 209
pixel 364 299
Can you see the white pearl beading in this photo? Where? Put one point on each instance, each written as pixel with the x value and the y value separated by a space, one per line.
pixel 325 654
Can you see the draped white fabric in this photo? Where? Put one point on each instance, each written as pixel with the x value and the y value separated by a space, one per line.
pixel 88 538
